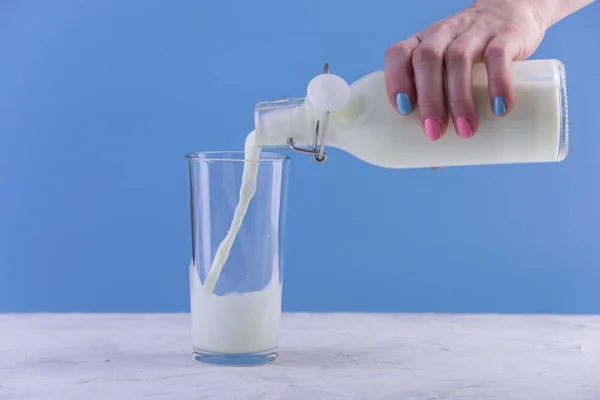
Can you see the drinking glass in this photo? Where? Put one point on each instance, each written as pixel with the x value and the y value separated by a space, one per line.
pixel 238 322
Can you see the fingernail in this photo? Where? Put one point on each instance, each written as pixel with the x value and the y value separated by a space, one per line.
pixel 433 129
pixel 403 103
pixel 464 128
pixel 499 106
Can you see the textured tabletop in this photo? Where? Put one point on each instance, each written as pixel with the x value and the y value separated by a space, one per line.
pixel 322 356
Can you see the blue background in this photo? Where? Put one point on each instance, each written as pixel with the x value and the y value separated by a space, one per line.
pixel 100 100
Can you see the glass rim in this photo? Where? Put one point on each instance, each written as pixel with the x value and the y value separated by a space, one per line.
pixel 235 156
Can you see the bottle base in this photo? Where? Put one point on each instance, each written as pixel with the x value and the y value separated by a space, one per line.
pixel 235 360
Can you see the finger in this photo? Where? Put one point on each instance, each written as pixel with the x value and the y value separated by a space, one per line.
pixel 458 66
pixel 499 55
pixel 428 67
pixel 399 75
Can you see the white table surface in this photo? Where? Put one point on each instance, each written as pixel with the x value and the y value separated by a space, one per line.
pixel 322 356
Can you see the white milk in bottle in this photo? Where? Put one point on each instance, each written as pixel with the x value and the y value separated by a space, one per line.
pixel 369 127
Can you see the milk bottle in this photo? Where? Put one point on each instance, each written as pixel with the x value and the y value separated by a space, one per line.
pixel 360 120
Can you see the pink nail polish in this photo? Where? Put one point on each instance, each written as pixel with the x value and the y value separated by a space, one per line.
pixel 463 126
pixel 433 129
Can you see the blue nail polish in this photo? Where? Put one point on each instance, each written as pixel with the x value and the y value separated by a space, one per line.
pixel 499 106
pixel 403 103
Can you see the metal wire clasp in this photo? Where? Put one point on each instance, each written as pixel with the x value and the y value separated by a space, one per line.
pixel 318 147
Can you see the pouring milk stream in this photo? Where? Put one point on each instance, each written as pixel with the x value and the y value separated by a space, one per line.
pixel 360 120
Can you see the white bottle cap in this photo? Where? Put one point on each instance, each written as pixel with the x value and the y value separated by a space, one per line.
pixel 328 92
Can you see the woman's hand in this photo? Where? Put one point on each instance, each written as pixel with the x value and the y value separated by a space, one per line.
pixel 433 69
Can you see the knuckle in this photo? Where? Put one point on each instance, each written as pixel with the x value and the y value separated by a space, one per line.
pixel 448 25
pixel 432 107
pixel 498 82
pixel 495 51
pixel 457 54
pixel 460 105
pixel 426 55
pixel 398 50
pixel 511 31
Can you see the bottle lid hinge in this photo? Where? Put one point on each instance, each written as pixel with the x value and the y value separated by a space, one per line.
pixel 318 147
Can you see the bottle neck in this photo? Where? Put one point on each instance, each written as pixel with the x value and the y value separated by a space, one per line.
pixel 276 122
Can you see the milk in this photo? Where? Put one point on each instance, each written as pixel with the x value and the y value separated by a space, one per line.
pixel 247 190
pixel 235 323
pixel 368 126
